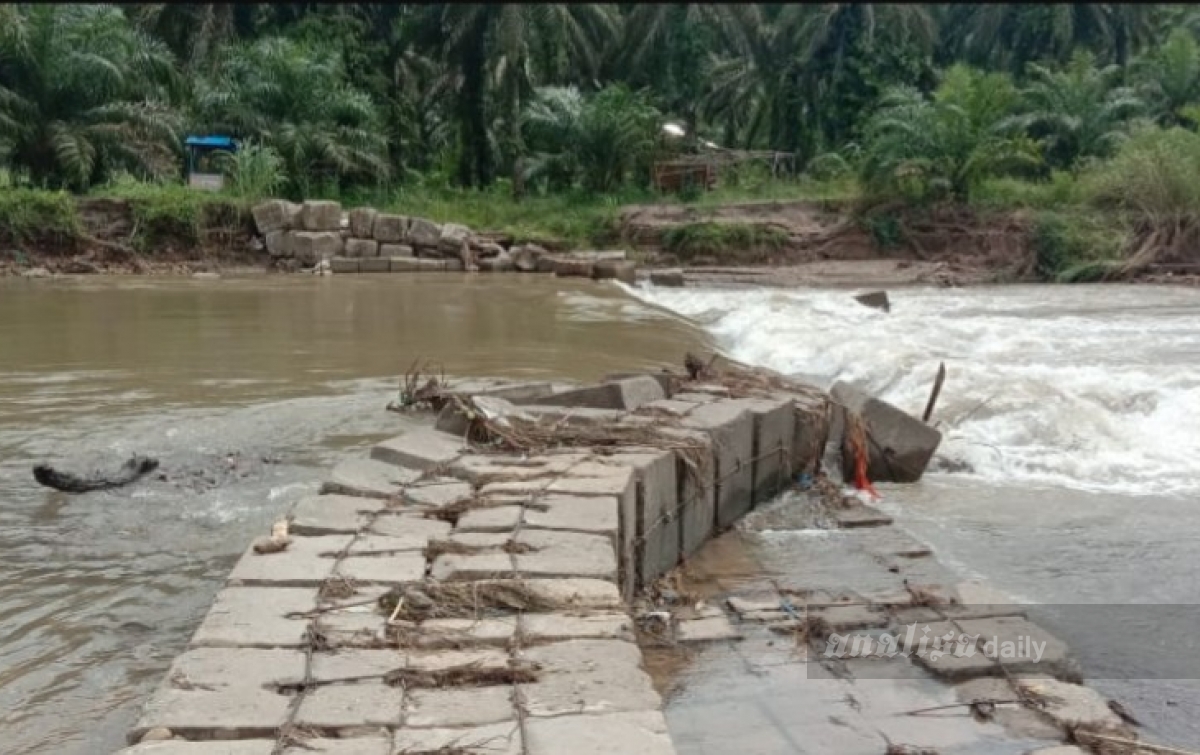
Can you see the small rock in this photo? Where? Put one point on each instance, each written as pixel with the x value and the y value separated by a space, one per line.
pixel 875 299
pixel 264 545
pixel 157 734
pixel 525 257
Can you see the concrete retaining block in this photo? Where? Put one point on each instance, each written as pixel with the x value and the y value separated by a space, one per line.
pixel 621 270
pixel 392 251
pixel 374 265
pixel 362 248
pixel 774 436
pixel 310 247
pixel 540 628
pixel 332 514
pixel 667 278
pixel 627 395
pixel 594 515
pixel 277 243
pixel 362 222
pixel 256 617
pixel 351 706
pixel 573 268
pixel 270 216
pixel 900 446
pixel 307 561
pixel 239 747
pixel 415 265
pixel 587 676
pixel 368 478
pixel 344 265
pixel 423 233
pixel 656 526
pixel 390 229
pixel 731 426
pixel 470 567
pixel 696 491
pixel 422 449
pixel 321 216
pixel 565 554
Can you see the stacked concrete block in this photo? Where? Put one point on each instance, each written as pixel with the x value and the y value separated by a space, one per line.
pixel 730 425
pixel 423 234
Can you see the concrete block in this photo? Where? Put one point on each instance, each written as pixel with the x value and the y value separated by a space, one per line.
pixel 374 265
pixel 587 676
pixel 667 278
pixel 577 594
pixel 547 263
pixel 565 554
pixel 849 618
pixel 573 268
pixel 253 617
pixel 452 238
pixel 622 270
pixel 458 633
pixel 307 561
pixel 362 248
pixel 731 427
pixel 454 419
pixel 332 514
pixel 997 635
pixel 368 478
pixel 414 265
pixel 270 216
pixel 344 265
pixel 354 664
pixel 423 233
pixel 537 628
pixel 470 567
pixel 641 732
pixel 390 229
pixel 369 743
pixel 485 469
pixel 1071 706
pixel 239 747
pixel 454 266
pixel 695 397
pixel 517 393
pixel 319 215
pixel 712 629
pixel 362 222
pixel 223 693
pixel 351 706
pixel 310 247
pixel 656 525
pixel 494 739
pixel 875 300
pixel 404 541
pixel 357 627
pixel 437 494
pixel 774 434
pixel 392 251
pixel 861 516
pixel 453 708
pixel 423 449
pixel 627 395
pixel 673 407
pixel 596 515
pixel 900 446
pixel 417 530
pixel 395 569
pixel 697 492
pixel 277 244
pixel 490 519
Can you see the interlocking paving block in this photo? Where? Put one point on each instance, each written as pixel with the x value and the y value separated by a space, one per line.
pixel 581 594
pixel 458 633
pixel 453 708
pixel 438 494
pixel 422 449
pixel 412 540
pixel 256 617
pixel 415 528
pixel 223 693
pixel 352 628
pixel 555 627
pixel 641 732
pixel 494 739
pixel 449 567
pixel 332 514
pixel 587 676
pixel 352 705
pixel 565 554
pixel 369 478
pixel 306 561
pixel 354 664
pixel 597 515
pixel 392 569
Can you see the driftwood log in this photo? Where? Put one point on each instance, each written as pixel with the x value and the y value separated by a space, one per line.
pixel 130 471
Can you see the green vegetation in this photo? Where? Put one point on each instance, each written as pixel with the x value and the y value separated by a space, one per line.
pixel 727 241
pixel 541 120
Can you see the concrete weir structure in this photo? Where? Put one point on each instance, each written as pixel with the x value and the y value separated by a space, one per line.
pixel 450 596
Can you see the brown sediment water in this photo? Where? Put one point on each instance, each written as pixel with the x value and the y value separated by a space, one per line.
pixel 246 390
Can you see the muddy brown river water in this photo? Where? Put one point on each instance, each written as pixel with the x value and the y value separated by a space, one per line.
pixel 246 390
pixel 1069 473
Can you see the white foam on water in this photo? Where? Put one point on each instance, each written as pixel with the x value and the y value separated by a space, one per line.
pixel 1088 387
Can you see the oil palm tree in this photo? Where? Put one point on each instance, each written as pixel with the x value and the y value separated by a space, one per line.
pixel 81 92
pixel 1169 77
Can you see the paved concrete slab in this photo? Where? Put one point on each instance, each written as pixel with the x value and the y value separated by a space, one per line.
pixel 494 739
pixel 731 427
pixel 439 494
pixel 393 569
pixel 365 477
pixel 355 664
pixel 453 708
pixel 642 732
pixel 587 676
pixel 490 519
pixel 576 593
pixel 351 706
pixel 416 529
pixel 538 628
pixel 366 744
pixel 460 633
pixel 354 628
pixel 241 747
pixel 595 515
pixel 256 617
pixel 565 554
pixel 306 561
pixel 371 543
pixel 459 567
pixel 332 514
pixel 422 449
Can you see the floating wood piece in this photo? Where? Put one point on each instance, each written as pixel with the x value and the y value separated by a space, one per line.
pixel 937 390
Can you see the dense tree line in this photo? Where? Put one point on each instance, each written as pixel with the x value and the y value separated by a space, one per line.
pixel 918 99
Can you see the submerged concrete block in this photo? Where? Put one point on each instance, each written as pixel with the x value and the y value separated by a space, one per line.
pixel 321 216
pixel 627 395
pixel 875 300
pixel 362 222
pixel 900 446
pixel 672 278
pixel 423 449
pixel 731 426
pixel 392 251
pixel 414 265
pixel 573 268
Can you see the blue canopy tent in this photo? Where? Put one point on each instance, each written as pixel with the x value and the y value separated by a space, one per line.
pixel 201 173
